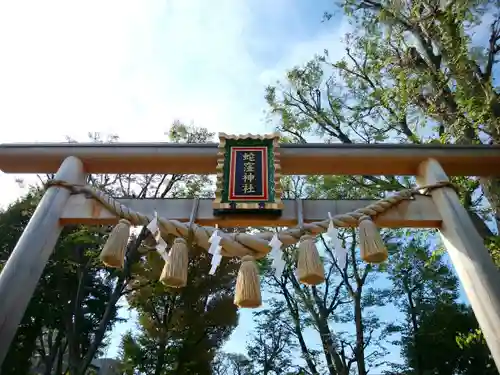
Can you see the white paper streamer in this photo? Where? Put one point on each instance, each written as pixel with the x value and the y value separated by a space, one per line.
pixel 275 242
pixel 215 234
pixel 341 255
pixel 279 268
pixel 215 250
pixel 340 251
pixel 216 259
pixel 214 240
pixel 153 226
pixel 276 255
pixel 161 245
pixel 275 245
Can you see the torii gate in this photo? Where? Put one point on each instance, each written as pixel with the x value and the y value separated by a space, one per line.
pixel 430 163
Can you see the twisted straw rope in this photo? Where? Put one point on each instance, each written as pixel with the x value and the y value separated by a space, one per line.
pixel 241 244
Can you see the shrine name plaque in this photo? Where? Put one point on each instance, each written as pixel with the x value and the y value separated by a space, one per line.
pixel 248 178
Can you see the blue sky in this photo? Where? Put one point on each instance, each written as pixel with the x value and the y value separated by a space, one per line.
pixel 131 68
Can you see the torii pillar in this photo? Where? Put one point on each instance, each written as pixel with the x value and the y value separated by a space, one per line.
pixel 27 261
pixel 476 271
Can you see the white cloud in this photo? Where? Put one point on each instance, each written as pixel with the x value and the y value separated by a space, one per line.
pixel 302 52
pixel 68 68
pixel 131 68
pixel 124 67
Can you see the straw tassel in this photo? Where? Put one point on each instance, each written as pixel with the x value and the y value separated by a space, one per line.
pixel 175 271
pixel 372 246
pixel 309 265
pixel 113 252
pixel 248 284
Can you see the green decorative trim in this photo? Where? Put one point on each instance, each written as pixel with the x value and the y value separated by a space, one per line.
pixel 273 203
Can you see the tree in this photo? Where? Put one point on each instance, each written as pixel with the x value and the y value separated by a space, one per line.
pixel 420 281
pixel 432 64
pixel 438 347
pixel 175 324
pixel 12 221
pixel 372 94
pixel 142 186
pixel 404 77
pixel 231 364
pixel 417 71
pixel 45 333
pixel 85 294
pixel 426 291
pixel 345 297
pixel 270 348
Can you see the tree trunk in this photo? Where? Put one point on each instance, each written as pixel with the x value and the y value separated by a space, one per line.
pixel 491 189
pixel 99 334
pixel 298 331
pixel 265 370
pixel 60 357
pixel 360 340
pixel 414 323
pixel 305 350
pixel 51 358
pixel 72 340
pixel 160 357
pixel 335 365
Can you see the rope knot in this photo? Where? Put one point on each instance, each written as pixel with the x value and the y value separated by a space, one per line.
pixel 407 193
pixel 306 237
pixel 247 258
pixel 61 183
pixel 427 189
pixel 364 217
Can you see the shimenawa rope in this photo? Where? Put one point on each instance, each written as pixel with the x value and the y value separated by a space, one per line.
pixel 241 244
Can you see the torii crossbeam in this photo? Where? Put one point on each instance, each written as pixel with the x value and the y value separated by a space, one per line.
pixel 430 163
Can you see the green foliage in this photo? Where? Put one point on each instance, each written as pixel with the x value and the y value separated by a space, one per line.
pixel 231 364
pixel 494 247
pixel 82 294
pixel 174 324
pixel 182 133
pixel 438 347
pixel 434 332
pixel 415 269
pixel 12 222
pixel 410 74
pixel 271 346
pixel 73 285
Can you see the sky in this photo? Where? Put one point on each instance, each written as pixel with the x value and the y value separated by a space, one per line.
pixel 131 68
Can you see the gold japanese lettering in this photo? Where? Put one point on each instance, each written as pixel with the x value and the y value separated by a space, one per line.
pixel 248 183
pixel 248 168
pixel 249 177
pixel 248 188
pixel 249 156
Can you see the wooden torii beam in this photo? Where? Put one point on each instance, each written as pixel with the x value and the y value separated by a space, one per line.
pixel 418 213
pixel 431 163
pixel 306 159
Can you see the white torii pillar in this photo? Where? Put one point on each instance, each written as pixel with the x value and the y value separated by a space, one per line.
pixel 25 265
pixel 478 274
